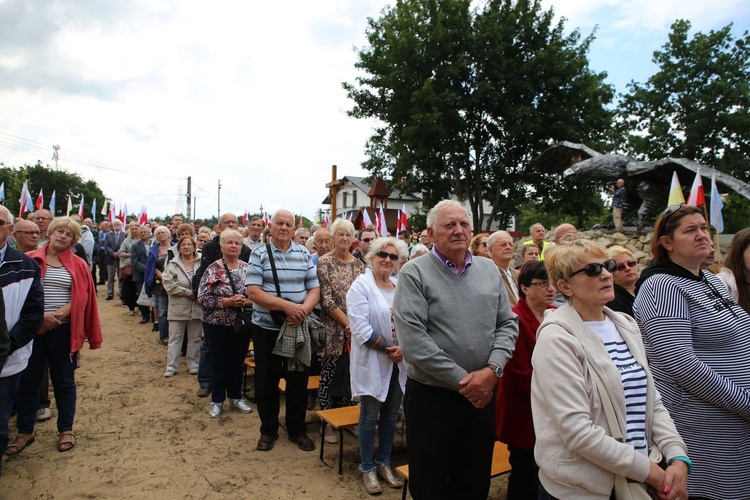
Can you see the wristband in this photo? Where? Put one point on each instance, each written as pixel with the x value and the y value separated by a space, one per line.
pixel 683 459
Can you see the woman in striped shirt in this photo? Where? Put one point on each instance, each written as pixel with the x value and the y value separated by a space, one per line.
pixel 575 451
pixel 696 338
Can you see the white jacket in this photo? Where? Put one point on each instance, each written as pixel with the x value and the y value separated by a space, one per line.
pixel 368 311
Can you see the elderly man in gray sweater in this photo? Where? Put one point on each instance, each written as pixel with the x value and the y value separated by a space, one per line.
pixel 456 332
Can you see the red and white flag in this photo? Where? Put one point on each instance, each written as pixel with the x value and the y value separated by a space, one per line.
pixel 366 222
pixel 39 200
pixel 143 217
pixel 403 220
pixel 696 198
pixel 267 220
pixel 244 218
pixel 25 198
pixel 382 226
pixel 80 208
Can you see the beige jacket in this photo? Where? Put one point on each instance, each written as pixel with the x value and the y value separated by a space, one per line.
pixel 178 286
pixel 575 451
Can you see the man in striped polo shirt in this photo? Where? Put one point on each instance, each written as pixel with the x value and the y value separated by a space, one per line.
pixel 300 292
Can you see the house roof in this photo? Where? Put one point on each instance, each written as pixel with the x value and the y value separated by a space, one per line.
pixel 360 183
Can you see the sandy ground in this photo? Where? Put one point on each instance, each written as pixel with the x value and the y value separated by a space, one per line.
pixel 140 435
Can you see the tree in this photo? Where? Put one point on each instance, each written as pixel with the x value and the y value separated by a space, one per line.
pixel 697 105
pixel 50 180
pixel 466 98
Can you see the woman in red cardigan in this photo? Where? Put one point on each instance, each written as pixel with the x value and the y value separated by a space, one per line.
pixel 513 408
pixel 70 316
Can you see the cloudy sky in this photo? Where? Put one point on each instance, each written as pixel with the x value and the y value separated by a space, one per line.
pixel 139 95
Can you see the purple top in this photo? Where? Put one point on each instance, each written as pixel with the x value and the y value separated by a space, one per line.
pixel 450 265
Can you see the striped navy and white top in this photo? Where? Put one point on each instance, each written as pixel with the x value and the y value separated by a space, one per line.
pixel 57 282
pixel 296 274
pixel 697 341
pixel 633 382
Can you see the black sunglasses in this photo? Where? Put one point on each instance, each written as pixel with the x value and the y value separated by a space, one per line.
pixel 594 269
pixel 367 240
pixel 666 214
pixel 386 255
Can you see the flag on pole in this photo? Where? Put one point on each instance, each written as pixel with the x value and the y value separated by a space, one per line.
pixel 112 215
pixel 121 215
pixel 383 226
pixel 325 220
pixel 93 210
pixel 39 200
pixel 675 192
pixel 104 208
pixel 696 198
pixel 2 191
pixel 403 219
pixel 266 219
pixel 143 217
pixel 80 208
pixel 125 214
pixel 52 203
pixel 717 219
pixel 244 218
pixel 69 208
pixel 366 222
pixel 24 199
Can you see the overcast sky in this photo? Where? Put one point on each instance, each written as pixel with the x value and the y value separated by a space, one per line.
pixel 141 95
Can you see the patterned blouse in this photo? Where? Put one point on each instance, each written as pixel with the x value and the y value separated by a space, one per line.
pixel 335 278
pixel 214 286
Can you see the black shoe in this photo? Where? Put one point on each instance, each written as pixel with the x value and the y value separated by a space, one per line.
pixel 302 441
pixel 109 297
pixel 204 392
pixel 265 443
pixel 155 328
pixel 143 320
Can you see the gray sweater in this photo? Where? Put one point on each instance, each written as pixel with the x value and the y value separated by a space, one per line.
pixel 448 325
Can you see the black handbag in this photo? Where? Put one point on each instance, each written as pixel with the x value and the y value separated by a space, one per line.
pixel 278 316
pixel 340 385
pixel 243 321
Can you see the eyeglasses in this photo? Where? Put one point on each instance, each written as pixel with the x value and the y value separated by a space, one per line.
pixel 386 255
pixel 595 269
pixel 4 222
pixel 540 284
pixel 37 233
pixel 367 240
pixel 230 222
pixel 622 267
pixel 42 218
pixel 666 214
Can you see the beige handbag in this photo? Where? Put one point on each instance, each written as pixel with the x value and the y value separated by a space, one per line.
pixel 624 489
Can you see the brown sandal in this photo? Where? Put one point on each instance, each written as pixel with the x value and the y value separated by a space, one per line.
pixel 20 442
pixel 66 441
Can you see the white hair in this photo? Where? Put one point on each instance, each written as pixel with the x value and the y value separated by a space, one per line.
pixel 432 215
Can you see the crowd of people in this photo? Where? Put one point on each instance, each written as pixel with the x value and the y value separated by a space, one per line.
pixel 580 359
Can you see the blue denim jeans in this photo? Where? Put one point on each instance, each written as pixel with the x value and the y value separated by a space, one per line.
pixel 8 387
pixel 368 417
pixel 54 346
pixel 162 303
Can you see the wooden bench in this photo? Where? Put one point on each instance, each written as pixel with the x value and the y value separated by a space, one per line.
pixel 338 418
pixel 313 381
pixel 500 466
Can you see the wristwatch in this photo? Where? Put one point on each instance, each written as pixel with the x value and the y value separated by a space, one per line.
pixel 495 369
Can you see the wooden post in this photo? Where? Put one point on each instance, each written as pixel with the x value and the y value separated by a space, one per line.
pixel 334 193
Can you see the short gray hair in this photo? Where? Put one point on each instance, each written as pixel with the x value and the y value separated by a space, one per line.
pixel 432 215
pixel 342 224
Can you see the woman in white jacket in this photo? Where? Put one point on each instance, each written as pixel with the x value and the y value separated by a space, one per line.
pixel 378 375
pixel 183 310
pixel 577 455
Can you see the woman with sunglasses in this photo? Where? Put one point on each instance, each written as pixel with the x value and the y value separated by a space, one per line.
pixel 696 340
pixel 478 245
pixel 625 276
pixel 513 410
pixel 378 375
pixel 577 455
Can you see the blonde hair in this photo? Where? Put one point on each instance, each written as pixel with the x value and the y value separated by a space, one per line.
pixel 67 223
pixel 563 260
pixel 617 250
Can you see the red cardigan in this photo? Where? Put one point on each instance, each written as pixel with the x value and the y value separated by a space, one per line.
pixel 84 312
pixel 513 422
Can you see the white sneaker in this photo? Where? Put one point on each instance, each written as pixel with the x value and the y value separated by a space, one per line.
pixel 241 405
pixel 169 373
pixel 215 410
pixel 193 371
pixel 43 414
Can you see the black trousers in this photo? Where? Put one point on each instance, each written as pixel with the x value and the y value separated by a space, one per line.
pixel 450 443
pixel 269 369
pixel 523 482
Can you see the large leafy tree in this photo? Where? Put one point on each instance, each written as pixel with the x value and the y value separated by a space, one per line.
pixel 465 98
pixel 697 105
pixel 60 182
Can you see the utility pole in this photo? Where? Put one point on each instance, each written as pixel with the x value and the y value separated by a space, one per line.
pixel 189 197
pixel 56 155
pixel 218 201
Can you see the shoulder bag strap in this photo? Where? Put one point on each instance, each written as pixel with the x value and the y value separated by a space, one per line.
pixel 273 269
pixel 231 280
pixel 609 409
